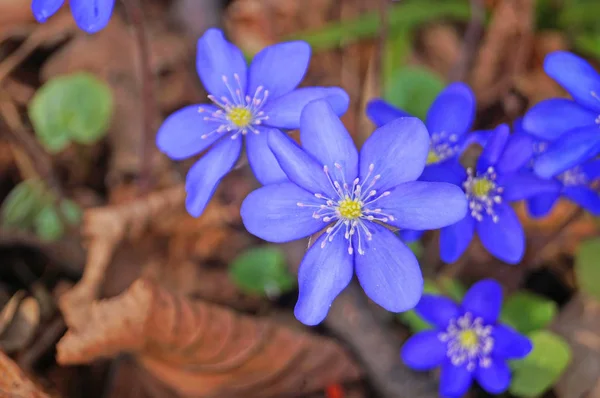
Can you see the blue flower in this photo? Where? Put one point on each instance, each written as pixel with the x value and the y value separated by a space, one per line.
pixel 90 15
pixel 352 197
pixel 497 180
pixel 467 342
pixel 248 102
pixel 573 184
pixel 573 126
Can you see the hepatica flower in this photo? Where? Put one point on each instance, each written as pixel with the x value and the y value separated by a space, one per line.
pixel 467 341
pixel 352 199
pixel 573 126
pixel 247 102
pixel 90 15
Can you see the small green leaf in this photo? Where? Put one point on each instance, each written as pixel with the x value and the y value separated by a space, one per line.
pixel 76 107
pixel 537 372
pixel 71 211
pixel 48 225
pixel 452 288
pixel 262 271
pixel 22 204
pixel 397 48
pixel 527 312
pixel 587 267
pixel 413 90
pixel 416 247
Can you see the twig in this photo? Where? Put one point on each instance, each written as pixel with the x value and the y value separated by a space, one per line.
pixel 471 40
pixel 48 337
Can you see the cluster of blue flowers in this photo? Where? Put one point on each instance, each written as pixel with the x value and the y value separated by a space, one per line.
pixel 90 15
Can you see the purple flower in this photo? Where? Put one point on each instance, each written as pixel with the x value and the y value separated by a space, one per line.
pixel 352 197
pixel 497 180
pixel 467 342
pixel 248 102
pixel 90 15
pixel 573 126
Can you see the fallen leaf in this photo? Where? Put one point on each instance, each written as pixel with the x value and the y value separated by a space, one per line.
pixel 14 383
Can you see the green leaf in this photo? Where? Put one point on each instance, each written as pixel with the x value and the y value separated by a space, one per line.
pixel 48 225
pixel 397 48
pixel 22 204
pixel 452 288
pixel 262 271
pixel 76 107
pixel 416 247
pixel 71 211
pixel 413 89
pixel 527 312
pixel 587 267
pixel 537 372
pixel 588 43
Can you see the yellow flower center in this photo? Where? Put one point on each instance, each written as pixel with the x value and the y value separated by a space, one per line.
pixel 240 116
pixel 482 187
pixel 350 209
pixel 432 157
pixel 468 338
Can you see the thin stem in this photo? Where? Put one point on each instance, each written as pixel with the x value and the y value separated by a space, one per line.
pixel 471 40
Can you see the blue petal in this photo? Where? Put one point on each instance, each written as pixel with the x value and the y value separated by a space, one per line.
pixel 381 112
pixel 205 175
pixel 591 170
pixel 279 68
pixel 324 136
pixel 494 148
pixel 437 310
pixel 323 274
pixel 217 58
pixel 455 239
pixel 494 379
pixel 551 118
pixel 525 185
pixel 517 152
pixel 576 75
pixel 284 112
pixel 484 300
pixel 509 344
pixel 397 151
pixel 448 171
pixel 454 380
pixel 181 134
pixel 584 197
pixel 423 205
pixel 452 111
pixel 424 351
pixel 301 168
pixel 409 235
pixel 264 165
pixel 571 149
pixel 388 271
pixel 92 15
pixel 272 213
pixel 504 239
pixel 540 205
pixel 44 9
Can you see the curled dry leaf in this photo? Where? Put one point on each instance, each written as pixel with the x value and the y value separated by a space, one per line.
pixel 14 383
pixel 19 321
pixel 204 350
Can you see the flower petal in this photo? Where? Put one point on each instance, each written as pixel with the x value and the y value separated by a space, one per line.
pixel 216 58
pixel 323 274
pixel 388 272
pixel 576 75
pixel 284 112
pixel 92 15
pixel 398 152
pixel 423 205
pixel 510 344
pixel 264 164
pixel 523 185
pixel 571 149
pixel 452 111
pixel 410 235
pixel 484 300
pixel 272 213
pixel 591 170
pixel 450 171
pixel 279 68
pixel 584 197
pixel 44 9
pixel 437 310
pixel 494 148
pixel 181 134
pixel 381 112
pixel 540 205
pixel 324 136
pixel 494 379
pixel 301 168
pixel 504 239
pixel 550 118
pixel 455 381
pixel 455 239
pixel 205 175
pixel 517 152
pixel 424 351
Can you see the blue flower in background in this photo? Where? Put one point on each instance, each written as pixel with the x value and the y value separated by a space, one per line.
pixel 90 15
pixel 497 180
pixel 352 197
pixel 467 342
pixel 573 126
pixel 248 102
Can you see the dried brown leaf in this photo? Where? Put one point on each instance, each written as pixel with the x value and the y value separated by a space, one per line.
pixel 14 383
pixel 22 327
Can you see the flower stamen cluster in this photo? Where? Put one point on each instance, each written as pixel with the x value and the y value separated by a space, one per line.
pixel 442 146
pixel 483 193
